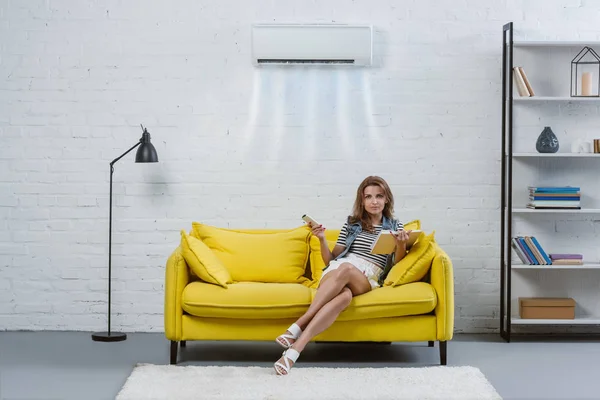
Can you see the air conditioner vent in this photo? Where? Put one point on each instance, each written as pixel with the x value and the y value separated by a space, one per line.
pixel 323 44
pixel 283 61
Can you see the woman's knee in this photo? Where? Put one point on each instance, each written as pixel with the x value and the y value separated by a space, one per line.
pixel 347 297
pixel 347 293
pixel 344 271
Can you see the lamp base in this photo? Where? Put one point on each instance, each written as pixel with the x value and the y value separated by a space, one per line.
pixel 106 337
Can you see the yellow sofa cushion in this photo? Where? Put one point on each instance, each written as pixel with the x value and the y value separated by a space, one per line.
pixel 203 262
pixel 247 300
pixel 415 264
pixel 278 257
pixel 316 261
pixel 413 225
pixel 384 302
pixel 417 328
pixel 253 300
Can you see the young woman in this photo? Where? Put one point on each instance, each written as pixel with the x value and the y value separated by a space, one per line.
pixel 351 269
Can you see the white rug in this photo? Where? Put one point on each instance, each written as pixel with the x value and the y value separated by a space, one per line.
pixel 161 382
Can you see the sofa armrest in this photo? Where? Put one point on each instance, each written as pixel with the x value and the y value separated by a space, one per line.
pixel 177 276
pixel 442 280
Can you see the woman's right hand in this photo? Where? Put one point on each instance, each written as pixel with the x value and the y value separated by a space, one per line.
pixel 318 231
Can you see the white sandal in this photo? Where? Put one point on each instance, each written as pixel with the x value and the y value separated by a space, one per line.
pixel 289 354
pixel 295 333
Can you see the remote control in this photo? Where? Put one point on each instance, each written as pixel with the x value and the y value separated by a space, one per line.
pixel 310 220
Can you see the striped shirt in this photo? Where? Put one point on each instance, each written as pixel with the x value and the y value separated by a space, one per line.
pixel 363 242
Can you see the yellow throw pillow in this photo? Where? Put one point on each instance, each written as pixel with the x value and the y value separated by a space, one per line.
pixel 415 264
pixel 413 225
pixel 203 262
pixel 278 256
pixel 316 260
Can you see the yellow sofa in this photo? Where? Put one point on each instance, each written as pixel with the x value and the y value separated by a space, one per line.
pixel 258 282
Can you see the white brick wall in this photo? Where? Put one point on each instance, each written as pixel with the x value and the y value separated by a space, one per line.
pixel 241 147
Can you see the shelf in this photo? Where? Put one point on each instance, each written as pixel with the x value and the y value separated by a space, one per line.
pixel 558 155
pixel 522 166
pixel 554 98
pixel 550 267
pixel 576 321
pixel 534 211
pixel 553 43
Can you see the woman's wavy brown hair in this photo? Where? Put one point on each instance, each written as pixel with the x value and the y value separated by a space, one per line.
pixel 358 211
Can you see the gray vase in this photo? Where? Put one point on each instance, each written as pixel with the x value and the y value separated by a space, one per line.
pixel 547 142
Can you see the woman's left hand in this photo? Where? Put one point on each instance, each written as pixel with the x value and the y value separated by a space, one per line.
pixel 401 237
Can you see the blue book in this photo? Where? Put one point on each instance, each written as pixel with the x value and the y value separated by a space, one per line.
pixel 574 198
pixel 541 250
pixel 528 252
pixel 529 260
pixel 563 189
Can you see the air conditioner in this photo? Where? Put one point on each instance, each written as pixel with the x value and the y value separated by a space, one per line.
pixel 312 44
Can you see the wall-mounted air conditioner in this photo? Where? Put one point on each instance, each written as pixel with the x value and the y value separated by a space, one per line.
pixel 312 44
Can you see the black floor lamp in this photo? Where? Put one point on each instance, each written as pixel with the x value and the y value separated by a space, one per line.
pixel 145 154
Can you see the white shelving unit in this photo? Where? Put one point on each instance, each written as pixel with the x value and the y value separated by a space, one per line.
pixel 554 43
pixel 547 65
pixel 551 211
pixel 556 267
pixel 576 321
pixel 557 155
pixel 555 98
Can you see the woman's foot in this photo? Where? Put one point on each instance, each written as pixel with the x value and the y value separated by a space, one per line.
pixel 289 337
pixel 285 363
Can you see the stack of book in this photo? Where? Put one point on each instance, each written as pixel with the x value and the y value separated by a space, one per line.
pixel 566 259
pixel 530 251
pixel 556 197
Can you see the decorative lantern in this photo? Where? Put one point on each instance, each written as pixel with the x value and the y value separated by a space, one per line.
pixel 585 71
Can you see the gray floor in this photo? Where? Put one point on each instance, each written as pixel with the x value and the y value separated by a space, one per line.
pixel 69 365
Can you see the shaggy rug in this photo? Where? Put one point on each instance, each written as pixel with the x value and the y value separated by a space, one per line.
pixel 161 382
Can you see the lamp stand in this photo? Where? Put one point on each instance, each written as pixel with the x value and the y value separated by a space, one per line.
pixel 110 336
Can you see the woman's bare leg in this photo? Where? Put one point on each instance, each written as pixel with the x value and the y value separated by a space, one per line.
pixel 329 312
pixel 324 318
pixel 327 315
pixel 332 285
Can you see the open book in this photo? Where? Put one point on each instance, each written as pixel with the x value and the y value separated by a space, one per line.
pixel 385 242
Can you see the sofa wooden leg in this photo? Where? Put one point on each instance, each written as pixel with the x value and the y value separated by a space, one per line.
pixel 431 342
pixel 443 352
pixel 182 343
pixel 173 352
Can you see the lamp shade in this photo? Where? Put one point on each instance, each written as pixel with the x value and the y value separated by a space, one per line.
pixel 146 152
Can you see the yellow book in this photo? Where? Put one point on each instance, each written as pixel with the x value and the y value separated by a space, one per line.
pixel 385 242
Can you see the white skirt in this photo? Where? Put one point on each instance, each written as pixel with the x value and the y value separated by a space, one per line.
pixel 371 270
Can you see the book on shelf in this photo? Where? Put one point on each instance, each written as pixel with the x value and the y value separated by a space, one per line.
pixel 567 262
pixel 527 83
pixel 566 259
pixel 567 256
pixel 554 197
pixel 522 83
pixel 530 251
pixel 553 206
